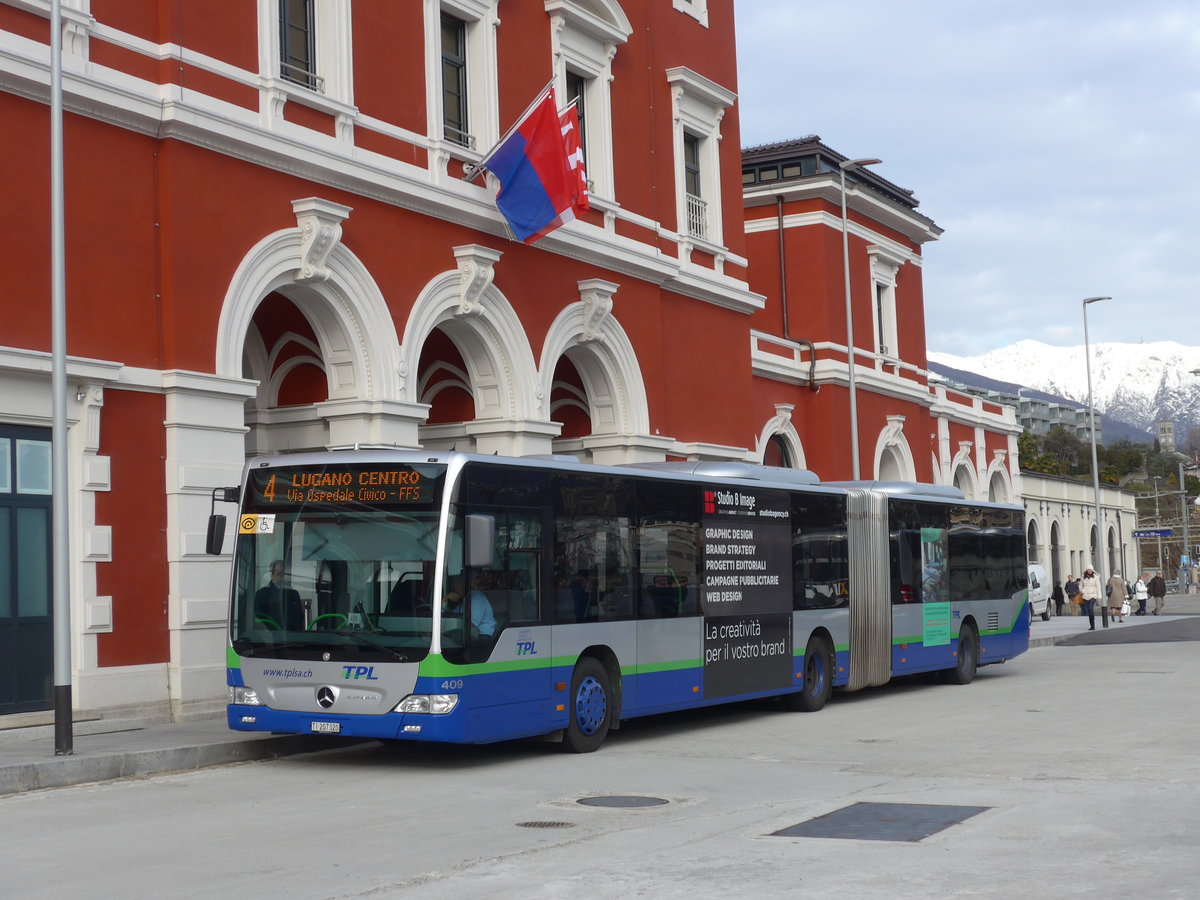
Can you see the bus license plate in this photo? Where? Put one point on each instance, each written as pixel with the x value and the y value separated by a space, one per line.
pixel 326 727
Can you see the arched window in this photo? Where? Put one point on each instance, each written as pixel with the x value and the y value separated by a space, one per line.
pixel 777 453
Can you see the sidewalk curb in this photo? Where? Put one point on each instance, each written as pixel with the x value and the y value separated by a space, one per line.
pixel 65 771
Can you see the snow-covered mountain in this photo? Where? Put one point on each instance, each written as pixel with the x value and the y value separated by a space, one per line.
pixel 1137 383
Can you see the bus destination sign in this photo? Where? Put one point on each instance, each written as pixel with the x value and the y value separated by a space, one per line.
pixel 344 485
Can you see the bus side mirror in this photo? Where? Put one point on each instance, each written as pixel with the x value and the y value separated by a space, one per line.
pixel 481 541
pixel 216 523
pixel 216 534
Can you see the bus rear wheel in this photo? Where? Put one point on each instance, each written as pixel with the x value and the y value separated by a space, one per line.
pixel 967 657
pixel 590 707
pixel 818 678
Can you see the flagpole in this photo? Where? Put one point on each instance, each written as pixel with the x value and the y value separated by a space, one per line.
pixel 469 171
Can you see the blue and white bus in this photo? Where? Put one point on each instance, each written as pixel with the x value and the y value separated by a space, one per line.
pixel 452 597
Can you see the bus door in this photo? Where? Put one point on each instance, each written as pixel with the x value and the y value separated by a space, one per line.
pixel 502 631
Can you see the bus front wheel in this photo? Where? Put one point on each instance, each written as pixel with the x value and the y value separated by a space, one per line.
pixel 591 707
pixel 818 677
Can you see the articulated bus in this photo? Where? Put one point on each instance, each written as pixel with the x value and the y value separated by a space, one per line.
pixel 452 597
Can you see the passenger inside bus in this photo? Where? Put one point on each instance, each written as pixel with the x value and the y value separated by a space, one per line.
pixel 583 595
pixel 667 597
pixel 277 606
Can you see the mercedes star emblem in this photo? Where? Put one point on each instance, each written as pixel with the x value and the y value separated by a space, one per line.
pixel 326 696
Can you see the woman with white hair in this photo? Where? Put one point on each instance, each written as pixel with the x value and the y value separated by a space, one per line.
pixel 1116 590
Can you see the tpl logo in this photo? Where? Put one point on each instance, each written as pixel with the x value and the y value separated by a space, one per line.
pixel 357 673
pixel 526 648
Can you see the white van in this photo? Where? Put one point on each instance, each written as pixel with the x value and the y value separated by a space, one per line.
pixel 1039 593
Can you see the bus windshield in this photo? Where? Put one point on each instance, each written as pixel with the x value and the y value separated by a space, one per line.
pixel 337 561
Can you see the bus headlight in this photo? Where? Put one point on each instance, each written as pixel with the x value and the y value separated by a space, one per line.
pixel 243 696
pixel 434 704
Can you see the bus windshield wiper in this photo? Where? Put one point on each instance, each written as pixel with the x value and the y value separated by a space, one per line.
pixel 257 649
pixel 363 639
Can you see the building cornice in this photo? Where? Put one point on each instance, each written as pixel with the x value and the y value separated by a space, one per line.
pixel 862 200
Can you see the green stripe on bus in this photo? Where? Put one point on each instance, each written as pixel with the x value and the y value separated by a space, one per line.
pixel 232 660
pixel 435 666
pixel 438 667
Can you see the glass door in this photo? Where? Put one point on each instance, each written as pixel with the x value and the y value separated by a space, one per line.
pixel 26 634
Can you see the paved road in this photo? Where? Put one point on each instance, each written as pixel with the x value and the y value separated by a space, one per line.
pixel 1082 758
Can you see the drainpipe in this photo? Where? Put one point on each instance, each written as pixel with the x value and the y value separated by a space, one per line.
pixel 783 300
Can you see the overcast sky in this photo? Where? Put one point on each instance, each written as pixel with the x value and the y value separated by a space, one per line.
pixel 1057 142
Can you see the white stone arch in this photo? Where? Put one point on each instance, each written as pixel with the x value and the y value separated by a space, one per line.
pixel 481 323
pixel 999 483
pixel 593 340
pixel 962 473
pixel 1033 540
pixel 893 455
pixel 351 321
pixel 780 425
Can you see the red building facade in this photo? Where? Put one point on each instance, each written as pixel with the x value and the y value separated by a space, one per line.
pixel 271 248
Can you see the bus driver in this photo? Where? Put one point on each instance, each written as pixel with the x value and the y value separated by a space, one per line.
pixel 280 605
pixel 482 617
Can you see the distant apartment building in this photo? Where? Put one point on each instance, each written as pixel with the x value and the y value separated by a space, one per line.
pixel 1038 416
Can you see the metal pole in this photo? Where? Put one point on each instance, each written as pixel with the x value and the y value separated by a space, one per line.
pixel 58 386
pixel 850 358
pixel 1158 524
pixel 1187 538
pixel 1099 562
pixel 849 339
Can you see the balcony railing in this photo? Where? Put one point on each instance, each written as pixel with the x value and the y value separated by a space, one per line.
pixel 697 217
pixel 302 76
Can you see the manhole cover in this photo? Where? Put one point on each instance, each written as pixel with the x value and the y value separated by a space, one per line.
pixel 622 802
pixel 909 822
pixel 545 824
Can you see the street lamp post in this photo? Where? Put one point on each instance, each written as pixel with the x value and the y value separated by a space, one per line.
pixel 845 165
pixel 1187 516
pixel 1099 561
pixel 1185 567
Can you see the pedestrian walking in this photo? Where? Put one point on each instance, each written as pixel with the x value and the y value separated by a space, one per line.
pixel 1089 591
pixel 1116 591
pixel 1058 597
pixel 1158 590
pixel 1141 593
pixel 1072 590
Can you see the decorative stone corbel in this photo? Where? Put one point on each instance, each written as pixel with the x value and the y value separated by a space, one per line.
pixel 476 270
pixel 320 224
pixel 892 434
pixel 783 415
pixel 596 295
